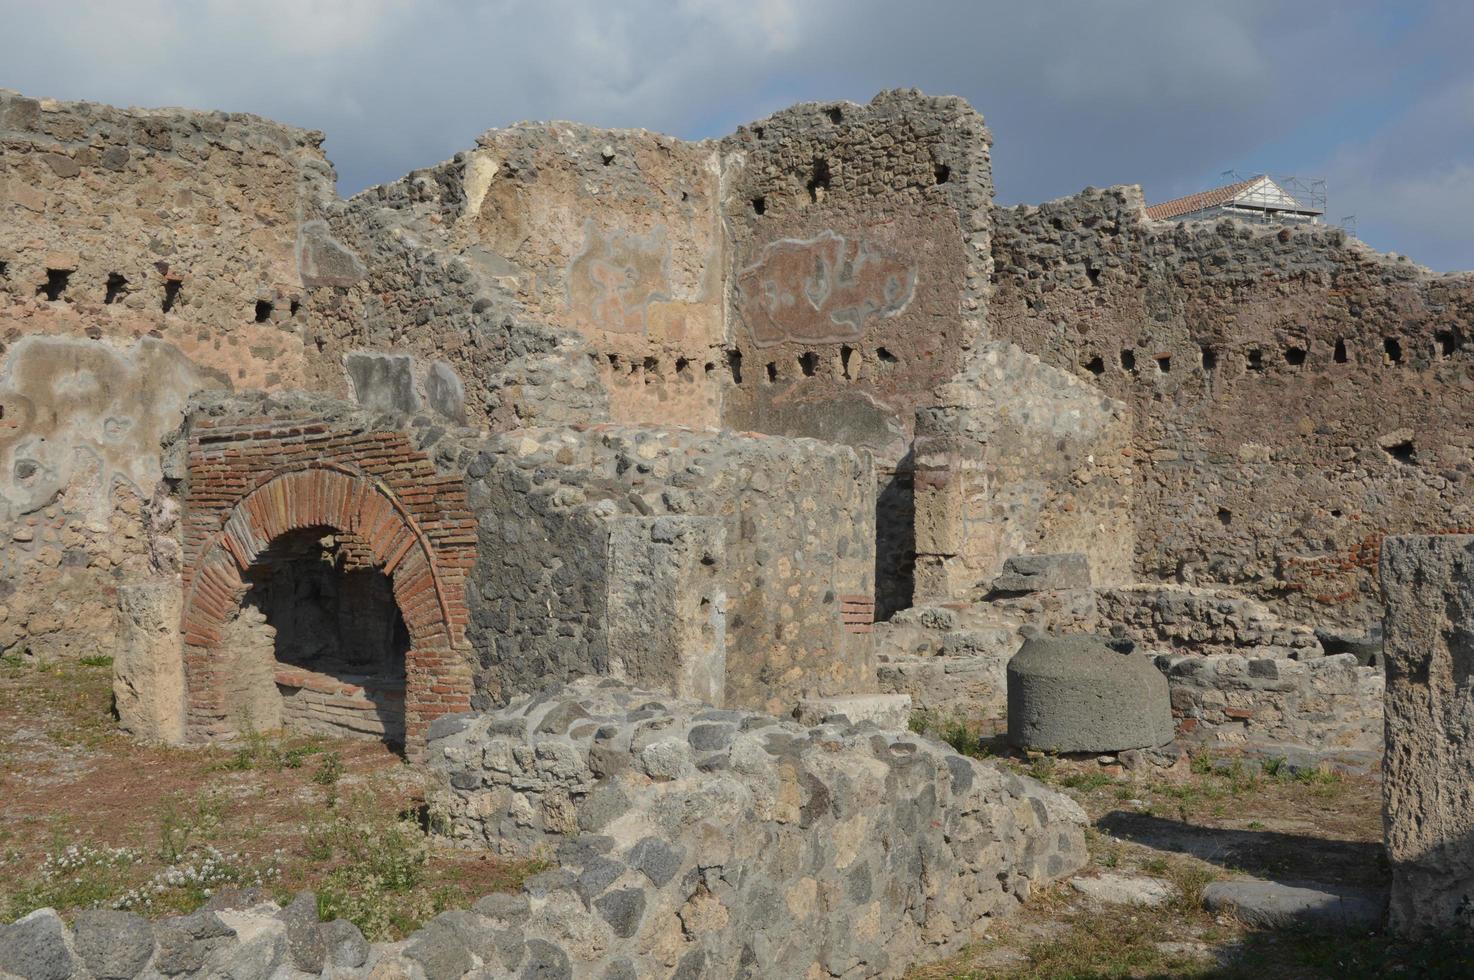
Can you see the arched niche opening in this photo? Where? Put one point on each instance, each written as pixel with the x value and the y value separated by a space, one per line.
pixel 318 644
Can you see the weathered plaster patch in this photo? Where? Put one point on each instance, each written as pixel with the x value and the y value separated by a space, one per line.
pixel 614 281
pixel 68 406
pixel 821 290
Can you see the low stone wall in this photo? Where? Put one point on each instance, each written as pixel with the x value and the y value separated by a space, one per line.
pixel 1326 704
pixel 1203 621
pixel 696 841
pixel 951 659
pixel 233 936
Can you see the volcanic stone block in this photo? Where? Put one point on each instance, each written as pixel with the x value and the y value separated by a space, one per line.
pixel 1428 588
pixel 1036 573
pixel 1081 694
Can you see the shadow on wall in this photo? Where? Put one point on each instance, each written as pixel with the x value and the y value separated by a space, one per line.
pixel 895 540
pixel 319 645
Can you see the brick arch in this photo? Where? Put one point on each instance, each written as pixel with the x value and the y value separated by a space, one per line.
pixel 383 526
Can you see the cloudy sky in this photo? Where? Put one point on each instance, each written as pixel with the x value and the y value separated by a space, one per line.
pixel 1377 98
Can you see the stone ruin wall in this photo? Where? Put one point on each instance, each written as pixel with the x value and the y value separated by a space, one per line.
pixel 695 841
pixel 1019 458
pixel 1296 396
pixel 560 274
pixel 144 255
pixel 860 268
pixel 595 251
pixel 770 542
pixel 678 279
pixel 554 274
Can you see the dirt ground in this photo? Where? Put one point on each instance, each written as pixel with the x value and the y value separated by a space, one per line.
pixel 1207 817
pixel 88 817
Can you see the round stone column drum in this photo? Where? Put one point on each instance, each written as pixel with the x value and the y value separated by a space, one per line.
pixel 1081 693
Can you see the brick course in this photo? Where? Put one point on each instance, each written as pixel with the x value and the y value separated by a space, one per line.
pixel 251 480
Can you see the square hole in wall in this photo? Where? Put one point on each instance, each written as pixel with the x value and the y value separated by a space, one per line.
pixel 55 284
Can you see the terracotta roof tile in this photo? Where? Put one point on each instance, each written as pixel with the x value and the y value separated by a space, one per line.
pixel 1199 201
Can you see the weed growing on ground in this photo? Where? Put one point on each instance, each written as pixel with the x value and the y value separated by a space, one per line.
pixel 260 752
pixel 379 864
pixel 1042 767
pixel 962 740
pixel 959 734
pixel 182 826
pixel 1085 780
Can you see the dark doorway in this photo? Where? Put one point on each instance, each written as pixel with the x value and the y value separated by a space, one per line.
pixel 319 644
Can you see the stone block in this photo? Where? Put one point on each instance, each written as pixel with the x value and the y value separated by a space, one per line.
pixel 888 711
pixel 148 662
pixel 36 947
pixel 949 686
pixel 1273 905
pixel 667 604
pixel 1119 889
pixel 382 382
pixel 1038 573
pixel 1428 588
pixel 114 945
pixel 323 260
